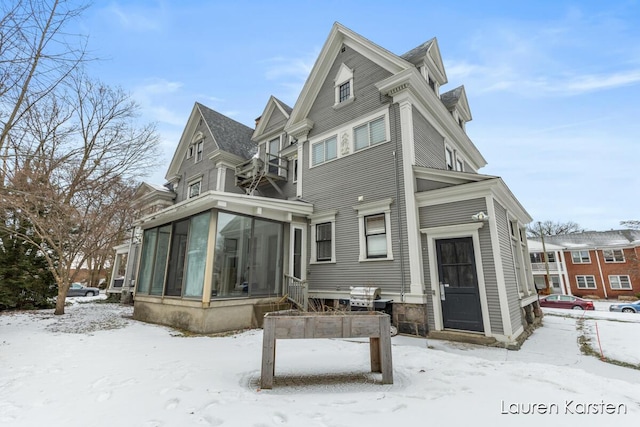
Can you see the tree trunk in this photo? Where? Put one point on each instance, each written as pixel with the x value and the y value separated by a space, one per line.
pixel 61 299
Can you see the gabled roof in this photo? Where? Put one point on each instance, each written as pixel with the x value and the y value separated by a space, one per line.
pixel 457 98
pixel 147 191
pixel 273 104
pixel 595 239
pixel 228 135
pixel 338 36
pixel 429 53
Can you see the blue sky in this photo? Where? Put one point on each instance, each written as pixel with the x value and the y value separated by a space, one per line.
pixel 553 86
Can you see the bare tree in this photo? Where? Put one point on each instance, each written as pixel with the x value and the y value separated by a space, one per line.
pixel 75 160
pixel 552 228
pixel 633 224
pixel 36 56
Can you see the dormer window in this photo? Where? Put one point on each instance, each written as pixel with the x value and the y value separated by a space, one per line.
pixel 199 150
pixel 343 84
pixel 345 91
pixel 197 147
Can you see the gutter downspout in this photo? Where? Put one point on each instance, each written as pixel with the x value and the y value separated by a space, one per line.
pixel 402 274
pixel 604 285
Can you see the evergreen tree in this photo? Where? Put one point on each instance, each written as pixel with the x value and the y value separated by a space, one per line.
pixel 25 279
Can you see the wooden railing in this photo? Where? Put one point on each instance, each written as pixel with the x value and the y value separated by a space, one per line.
pixel 297 292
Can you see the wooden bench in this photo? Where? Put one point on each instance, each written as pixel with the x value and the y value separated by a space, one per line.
pixel 292 324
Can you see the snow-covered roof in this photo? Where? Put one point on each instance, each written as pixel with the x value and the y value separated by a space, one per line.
pixel 594 239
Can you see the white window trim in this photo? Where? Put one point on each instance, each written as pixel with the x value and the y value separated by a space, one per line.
pixel 581 262
pixel 199 155
pixel 190 151
pixel 373 208
pixel 344 75
pixel 448 148
pixel 348 129
pixel 620 288
pixel 321 218
pixel 191 184
pixel 323 141
pixel 595 285
pixel 614 260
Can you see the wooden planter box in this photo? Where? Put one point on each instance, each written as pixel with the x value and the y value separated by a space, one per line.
pixel 351 324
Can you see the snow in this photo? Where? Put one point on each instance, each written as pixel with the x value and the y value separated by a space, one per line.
pixel 95 366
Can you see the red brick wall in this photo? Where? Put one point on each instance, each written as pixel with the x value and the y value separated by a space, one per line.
pixel 630 267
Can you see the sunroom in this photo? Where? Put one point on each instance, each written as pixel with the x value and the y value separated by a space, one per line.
pixel 206 263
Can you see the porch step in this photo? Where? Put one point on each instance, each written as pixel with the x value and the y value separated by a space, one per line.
pixel 466 337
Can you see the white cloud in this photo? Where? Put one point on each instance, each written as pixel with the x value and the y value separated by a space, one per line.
pixel 137 18
pixel 155 97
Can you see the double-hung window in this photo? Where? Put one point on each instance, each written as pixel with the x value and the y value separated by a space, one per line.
pixel 376 236
pixel 323 232
pixel 324 151
pixel 199 150
pixel 374 224
pixel 580 257
pixel 371 133
pixel 619 282
pixel 586 282
pixel 613 255
pixel 323 241
pixel 448 154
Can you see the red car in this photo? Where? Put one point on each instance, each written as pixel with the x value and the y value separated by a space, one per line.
pixel 566 301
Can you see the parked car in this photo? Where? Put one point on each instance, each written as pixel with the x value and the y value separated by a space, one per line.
pixel 626 307
pixel 566 301
pixel 79 290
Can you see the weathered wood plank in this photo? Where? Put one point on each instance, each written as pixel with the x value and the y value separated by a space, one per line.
pixel 374 353
pixel 295 325
pixel 268 354
pixel 385 350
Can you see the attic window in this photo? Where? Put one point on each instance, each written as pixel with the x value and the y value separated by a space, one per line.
pixel 432 84
pixel 343 86
pixel 345 91
pixel 199 150
pixel 448 153
pixel 190 151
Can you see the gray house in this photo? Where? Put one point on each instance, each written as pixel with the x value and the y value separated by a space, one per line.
pixel 369 180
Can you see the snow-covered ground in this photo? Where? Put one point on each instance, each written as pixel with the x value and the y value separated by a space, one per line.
pixel 95 366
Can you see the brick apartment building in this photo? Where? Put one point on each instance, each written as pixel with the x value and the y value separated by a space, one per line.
pixel 594 263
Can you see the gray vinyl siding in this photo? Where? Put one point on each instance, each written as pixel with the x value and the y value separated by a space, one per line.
pixel 276 121
pixel 230 182
pixel 429 144
pixel 508 268
pixel 370 173
pixel 428 185
pixel 456 213
pixel 367 97
pixel 189 168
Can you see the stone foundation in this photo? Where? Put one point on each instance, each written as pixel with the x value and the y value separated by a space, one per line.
pixel 410 319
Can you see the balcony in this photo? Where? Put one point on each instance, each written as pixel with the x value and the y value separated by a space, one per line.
pixel 255 173
pixel 554 267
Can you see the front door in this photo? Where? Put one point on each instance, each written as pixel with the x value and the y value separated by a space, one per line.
pixel 458 278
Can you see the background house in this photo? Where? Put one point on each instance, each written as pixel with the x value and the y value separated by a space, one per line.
pixel 550 273
pixel 604 264
pixel 369 180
